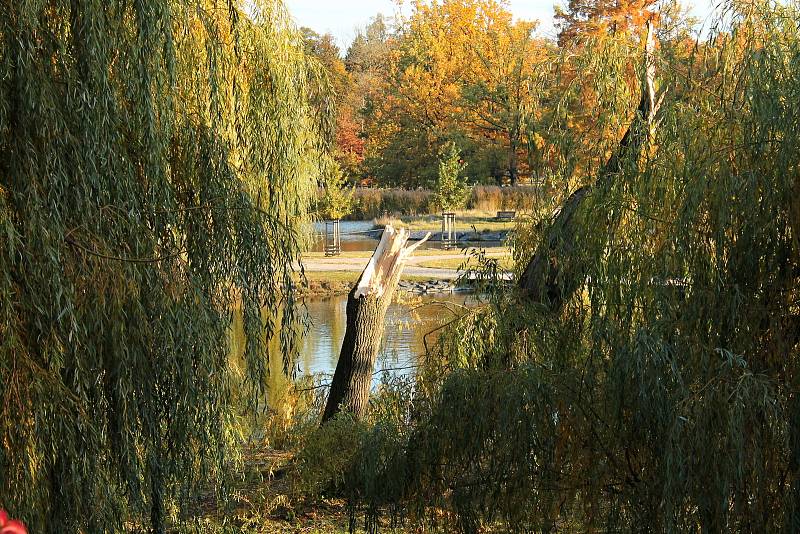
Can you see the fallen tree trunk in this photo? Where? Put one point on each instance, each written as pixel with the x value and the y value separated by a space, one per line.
pixel 557 268
pixel 366 310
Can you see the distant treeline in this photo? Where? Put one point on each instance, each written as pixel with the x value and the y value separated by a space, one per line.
pixel 375 202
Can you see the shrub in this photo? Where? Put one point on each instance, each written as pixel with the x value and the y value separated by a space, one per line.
pixel 334 201
pixel 370 203
pixel 494 198
pixel 452 191
pixel 373 203
pixel 318 469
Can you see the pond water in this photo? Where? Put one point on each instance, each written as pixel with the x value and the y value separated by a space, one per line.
pixel 356 236
pixel 407 322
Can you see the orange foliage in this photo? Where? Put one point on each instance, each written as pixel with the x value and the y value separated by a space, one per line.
pixel 349 142
pixel 596 18
pixel 460 66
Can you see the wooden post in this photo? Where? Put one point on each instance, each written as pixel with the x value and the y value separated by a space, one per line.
pixel 366 310
pixel 333 240
pixel 448 230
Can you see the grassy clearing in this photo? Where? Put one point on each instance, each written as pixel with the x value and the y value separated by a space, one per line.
pixel 455 253
pixel 349 276
pixel 506 263
pixel 465 222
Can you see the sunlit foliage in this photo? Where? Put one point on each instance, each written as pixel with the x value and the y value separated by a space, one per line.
pixel 600 18
pixel 157 161
pixel 459 71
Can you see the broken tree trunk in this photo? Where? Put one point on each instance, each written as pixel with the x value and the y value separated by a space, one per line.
pixel 366 310
pixel 556 270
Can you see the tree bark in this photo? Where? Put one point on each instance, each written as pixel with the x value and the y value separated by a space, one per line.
pixel 556 270
pixel 366 310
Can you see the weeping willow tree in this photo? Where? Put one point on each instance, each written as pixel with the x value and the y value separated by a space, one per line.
pixel 661 393
pixel 156 166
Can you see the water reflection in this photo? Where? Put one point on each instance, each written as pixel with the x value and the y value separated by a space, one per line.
pixel 357 236
pixel 406 324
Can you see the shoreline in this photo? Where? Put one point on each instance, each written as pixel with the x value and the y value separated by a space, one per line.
pixel 317 288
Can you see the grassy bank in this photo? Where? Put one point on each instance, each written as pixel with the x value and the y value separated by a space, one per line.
pixel 466 221
pixel 455 253
pixel 332 283
pixel 506 263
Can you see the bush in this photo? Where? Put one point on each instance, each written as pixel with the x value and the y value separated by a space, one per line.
pixel 452 191
pixel 327 455
pixel 372 203
pixel 494 198
pixel 334 202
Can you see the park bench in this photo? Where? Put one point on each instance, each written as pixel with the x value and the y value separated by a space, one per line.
pixel 506 215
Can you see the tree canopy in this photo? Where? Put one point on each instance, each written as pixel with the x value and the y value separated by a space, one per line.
pixel 468 72
pixel 460 71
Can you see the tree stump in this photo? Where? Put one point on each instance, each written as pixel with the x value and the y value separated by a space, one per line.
pixel 367 303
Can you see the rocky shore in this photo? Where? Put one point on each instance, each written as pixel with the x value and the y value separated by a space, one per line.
pixel 317 288
pixel 429 287
pixel 461 236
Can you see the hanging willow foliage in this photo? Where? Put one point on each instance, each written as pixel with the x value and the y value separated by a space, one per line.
pixel 664 394
pixel 156 166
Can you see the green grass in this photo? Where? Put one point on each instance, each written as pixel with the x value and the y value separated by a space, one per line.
pixel 466 222
pixel 350 276
pixel 506 263
pixel 344 254
pixel 419 252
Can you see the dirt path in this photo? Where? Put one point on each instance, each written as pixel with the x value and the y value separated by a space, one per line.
pixel 412 268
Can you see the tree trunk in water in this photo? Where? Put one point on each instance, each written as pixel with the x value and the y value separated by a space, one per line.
pixel 366 310
pixel 556 270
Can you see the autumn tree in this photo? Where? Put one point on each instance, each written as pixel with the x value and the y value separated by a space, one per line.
pixel 366 63
pixel 596 18
pixel 502 102
pixel 462 71
pixel 370 47
pixel 325 50
pixel 416 113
